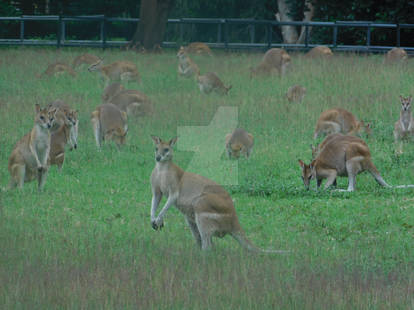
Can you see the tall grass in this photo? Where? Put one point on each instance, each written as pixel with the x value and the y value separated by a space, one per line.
pixel 86 242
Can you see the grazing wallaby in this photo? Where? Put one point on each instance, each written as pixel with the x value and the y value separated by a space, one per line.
pixel 186 67
pixel 133 102
pixel 109 123
pixel 340 155
pixel 57 69
pixel 208 208
pixel 339 120
pixel 65 112
pixel 198 48
pixel 395 55
pixel 28 159
pixel 239 141
pixel 62 136
pixel 211 82
pixel 85 59
pixel 274 60
pixel 404 127
pixel 111 90
pixel 320 52
pixel 119 70
pixel 295 93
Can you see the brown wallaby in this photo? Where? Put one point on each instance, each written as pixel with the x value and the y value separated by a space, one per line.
pixel 239 141
pixel 340 155
pixel 109 123
pixel 319 52
pixel 198 48
pixel 85 59
pixel 119 70
pixel 66 114
pixel 110 91
pixel 395 55
pixel 296 93
pixel 339 120
pixel 58 69
pixel 274 60
pixel 404 127
pixel 28 159
pixel 207 207
pixel 211 82
pixel 186 67
pixel 133 102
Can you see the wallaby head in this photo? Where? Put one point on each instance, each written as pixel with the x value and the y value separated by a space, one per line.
pixel 95 66
pixel 366 127
pixel 181 52
pixel 406 103
pixel 163 150
pixel 45 117
pixel 236 149
pixel 307 173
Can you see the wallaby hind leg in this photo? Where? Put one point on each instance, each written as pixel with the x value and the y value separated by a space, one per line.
pixel 195 232
pixel 60 160
pixel 17 176
pixel 331 175
pixel 97 130
pixel 353 167
pixel 206 228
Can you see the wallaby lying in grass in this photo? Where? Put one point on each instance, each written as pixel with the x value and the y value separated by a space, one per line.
pixel 186 67
pixel 211 82
pixel 111 90
pixel 119 70
pixel 274 60
pixel 404 127
pixel 395 55
pixel 320 52
pixel 109 123
pixel 85 59
pixel 339 120
pixel 239 141
pixel 198 48
pixel 66 113
pixel 62 136
pixel 58 69
pixel 28 159
pixel 133 102
pixel 296 93
pixel 208 208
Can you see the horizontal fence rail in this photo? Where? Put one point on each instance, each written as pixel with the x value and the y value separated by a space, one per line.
pixel 223 41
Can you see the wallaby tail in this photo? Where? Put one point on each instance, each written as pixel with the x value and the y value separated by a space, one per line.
pixel 244 242
pixel 375 173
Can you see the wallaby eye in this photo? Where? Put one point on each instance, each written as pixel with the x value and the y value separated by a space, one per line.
pixel 42 118
pixel 310 177
pixel 166 150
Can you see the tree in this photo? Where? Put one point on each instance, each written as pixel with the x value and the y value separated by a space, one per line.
pixel 151 27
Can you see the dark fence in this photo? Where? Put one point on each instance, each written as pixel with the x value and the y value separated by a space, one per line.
pixel 227 33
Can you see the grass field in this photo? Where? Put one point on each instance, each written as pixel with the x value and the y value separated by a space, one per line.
pixel 86 242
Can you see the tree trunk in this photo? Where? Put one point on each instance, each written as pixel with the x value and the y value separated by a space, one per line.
pixel 151 27
pixel 308 15
pixel 289 33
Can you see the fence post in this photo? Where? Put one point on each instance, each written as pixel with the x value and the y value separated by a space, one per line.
pixel 226 34
pixel 59 34
pixel 252 33
pixel 219 29
pixel 335 36
pixel 306 36
pixel 269 35
pixel 103 32
pixel 368 36
pixel 181 31
pixel 63 31
pixel 21 29
pixel 398 35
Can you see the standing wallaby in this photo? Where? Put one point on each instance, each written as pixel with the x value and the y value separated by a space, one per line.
pixel 395 55
pixel 319 52
pixel 133 102
pixel 109 123
pixel 85 59
pixel 208 208
pixel 62 136
pixel 274 60
pixel 341 155
pixel 57 69
pixel 339 120
pixel 240 141
pixel 110 91
pixel 198 48
pixel 119 70
pixel 186 67
pixel 404 127
pixel 64 111
pixel 296 93
pixel 211 82
pixel 28 159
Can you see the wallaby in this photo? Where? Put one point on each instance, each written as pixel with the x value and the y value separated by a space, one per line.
pixel 58 69
pixel 274 60
pixel 186 67
pixel 119 70
pixel 198 48
pixel 339 120
pixel 65 112
pixel 239 141
pixel 28 159
pixel 395 55
pixel 61 137
pixel 211 82
pixel 404 127
pixel 110 91
pixel 85 59
pixel 341 155
pixel 319 52
pixel 295 93
pixel 208 208
pixel 133 102
pixel 109 123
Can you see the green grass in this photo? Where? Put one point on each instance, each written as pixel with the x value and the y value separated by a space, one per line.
pixel 86 242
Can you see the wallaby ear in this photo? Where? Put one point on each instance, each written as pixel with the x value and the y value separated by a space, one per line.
pixel 156 139
pixel 173 141
pixel 37 108
pixel 401 99
pixel 410 98
pixel 301 163
pixel 124 115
